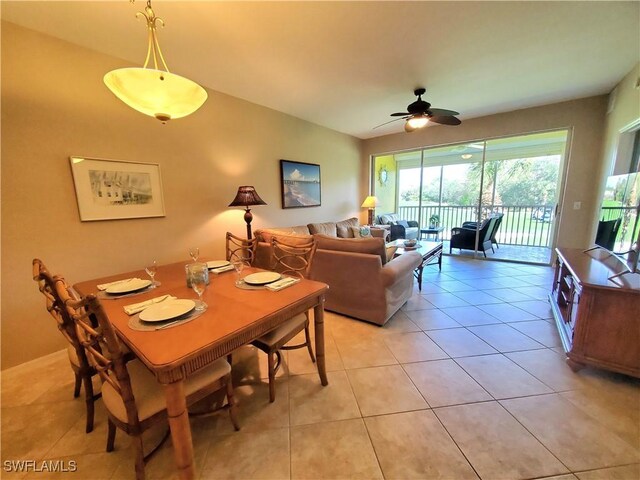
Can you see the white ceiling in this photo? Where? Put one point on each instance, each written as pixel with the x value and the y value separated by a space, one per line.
pixel 348 65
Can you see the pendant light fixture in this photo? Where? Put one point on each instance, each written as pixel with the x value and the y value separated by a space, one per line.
pixel 155 91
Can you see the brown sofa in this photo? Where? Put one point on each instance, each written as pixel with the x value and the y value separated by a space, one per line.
pixel 363 283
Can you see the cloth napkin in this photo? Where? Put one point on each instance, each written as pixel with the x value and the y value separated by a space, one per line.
pixel 104 286
pixel 138 307
pixel 226 268
pixel 282 283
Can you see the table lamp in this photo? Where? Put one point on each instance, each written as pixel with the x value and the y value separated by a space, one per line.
pixel 371 203
pixel 246 197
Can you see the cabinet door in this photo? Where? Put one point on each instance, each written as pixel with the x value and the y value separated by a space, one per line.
pixel 574 300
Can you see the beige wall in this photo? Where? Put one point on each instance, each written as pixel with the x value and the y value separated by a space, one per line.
pixel 54 105
pixel 625 110
pixel 584 117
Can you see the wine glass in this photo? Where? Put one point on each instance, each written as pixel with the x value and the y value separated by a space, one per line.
pixel 152 269
pixel 199 274
pixel 194 253
pixel 238 265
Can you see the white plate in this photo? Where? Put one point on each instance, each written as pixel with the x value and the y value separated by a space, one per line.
pixel 130 286
pixel 217 263
pixel 166 310
pixel 261 278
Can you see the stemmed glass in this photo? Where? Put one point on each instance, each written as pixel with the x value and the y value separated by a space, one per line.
pixel 152 269
pixel 238 265
pixel 199 274
pixel 194 253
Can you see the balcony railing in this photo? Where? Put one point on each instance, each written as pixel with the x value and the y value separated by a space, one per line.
pixel 521 225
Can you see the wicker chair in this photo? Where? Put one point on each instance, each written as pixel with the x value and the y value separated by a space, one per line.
pixel 239 248
pixel 77 359
pixel 293 260
pixel 133 398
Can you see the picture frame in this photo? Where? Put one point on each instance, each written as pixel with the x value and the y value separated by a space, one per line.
pixel 116 189
pixel 300 184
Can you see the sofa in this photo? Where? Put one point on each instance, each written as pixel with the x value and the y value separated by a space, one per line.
pixel 365 280
pixel 405 229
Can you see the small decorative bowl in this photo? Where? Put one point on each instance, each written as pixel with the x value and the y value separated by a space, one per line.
pixel 410 243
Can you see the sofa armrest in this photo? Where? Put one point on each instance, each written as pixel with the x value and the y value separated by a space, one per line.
pixel 399 267
pixel 473 225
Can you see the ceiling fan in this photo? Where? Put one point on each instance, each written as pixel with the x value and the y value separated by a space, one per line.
pixel 420 113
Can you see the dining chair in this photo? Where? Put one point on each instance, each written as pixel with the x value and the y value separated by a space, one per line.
pixel 133 398
pixel 294 260
pixel 239 248
pixel 82 370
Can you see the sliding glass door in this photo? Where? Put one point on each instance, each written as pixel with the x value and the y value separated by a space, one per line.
pixel 505 190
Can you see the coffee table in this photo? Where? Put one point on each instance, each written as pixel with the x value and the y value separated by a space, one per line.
pixel 431 253
pixel 431 231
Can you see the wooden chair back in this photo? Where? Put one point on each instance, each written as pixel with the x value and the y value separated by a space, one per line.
pixel 101 345
pixel 292 259
pixel 55 306
pixel 241 249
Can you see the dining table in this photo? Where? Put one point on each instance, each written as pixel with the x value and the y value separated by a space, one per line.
pixel 234 317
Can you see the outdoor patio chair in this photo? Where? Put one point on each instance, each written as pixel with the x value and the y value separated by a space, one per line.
pixel 496 226
pixel 465 238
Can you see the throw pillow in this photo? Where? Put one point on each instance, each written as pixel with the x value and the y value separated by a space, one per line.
pixel 361 232
pixel 344 227
pixel 404 223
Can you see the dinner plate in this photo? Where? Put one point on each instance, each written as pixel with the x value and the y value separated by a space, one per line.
pixel 129 286
pixel 261 278
pixel 217 263
pixel 167 310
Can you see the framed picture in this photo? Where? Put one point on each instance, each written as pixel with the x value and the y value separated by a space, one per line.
pixel 300 183
pixel 112 189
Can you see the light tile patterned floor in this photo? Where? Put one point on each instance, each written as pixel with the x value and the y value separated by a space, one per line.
pixel 466 381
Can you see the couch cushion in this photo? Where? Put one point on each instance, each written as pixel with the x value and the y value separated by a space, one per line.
pixel 327 228
pixel 344 227
pixel 404 223
pixel 389 218
pixel 361 232
pixel 372 246
pixel 291 235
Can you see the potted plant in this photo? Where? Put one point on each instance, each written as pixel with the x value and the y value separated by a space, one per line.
pixel 434 220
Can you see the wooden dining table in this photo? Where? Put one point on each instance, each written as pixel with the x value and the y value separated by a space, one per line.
pixel 234 317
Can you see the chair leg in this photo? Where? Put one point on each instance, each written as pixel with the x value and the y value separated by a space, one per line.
pixel 78 384
pixel 137 443
pixel 308 340
pixel 111 435
pixel 89 400
pixel 233 408
pixel 272 375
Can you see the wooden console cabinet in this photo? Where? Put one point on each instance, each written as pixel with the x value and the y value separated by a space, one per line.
pixel 598 319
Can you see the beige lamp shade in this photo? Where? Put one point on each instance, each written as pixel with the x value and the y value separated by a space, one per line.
pixel 370 202
pixel 156 93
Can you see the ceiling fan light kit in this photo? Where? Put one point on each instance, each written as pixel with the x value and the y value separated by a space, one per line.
pixel 155 91
pixel 419 114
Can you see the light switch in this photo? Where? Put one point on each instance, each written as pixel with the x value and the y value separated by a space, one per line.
pixel 577 205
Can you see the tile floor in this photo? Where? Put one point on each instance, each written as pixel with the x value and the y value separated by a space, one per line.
pixel 467 381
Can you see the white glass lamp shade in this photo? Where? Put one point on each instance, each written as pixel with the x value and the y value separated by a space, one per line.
pixel 370 202
pixel 417 121
pixel 156 93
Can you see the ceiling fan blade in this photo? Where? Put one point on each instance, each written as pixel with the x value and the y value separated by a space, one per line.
pixel 385 123
pixel 441 112
pixel 400 114
pixel 445 120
